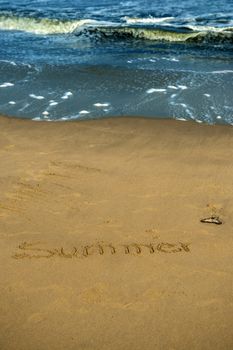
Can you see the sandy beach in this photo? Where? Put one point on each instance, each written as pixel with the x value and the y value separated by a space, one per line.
pixel 101 241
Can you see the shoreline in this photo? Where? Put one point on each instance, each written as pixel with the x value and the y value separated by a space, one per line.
pixel 82 119
pixel 101 241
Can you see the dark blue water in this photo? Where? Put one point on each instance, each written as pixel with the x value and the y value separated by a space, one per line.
pixel 78 59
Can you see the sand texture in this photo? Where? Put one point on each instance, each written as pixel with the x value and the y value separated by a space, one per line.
pixel 101 244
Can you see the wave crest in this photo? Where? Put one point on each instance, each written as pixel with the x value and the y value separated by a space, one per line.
pixel 158 34
pixel 44 26
pixel 103 30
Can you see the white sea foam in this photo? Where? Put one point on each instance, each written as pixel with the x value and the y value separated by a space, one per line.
pixel 150 91
pixel 54 103
pixel 24 107
pixel 29 66
pixel 84 112
pixel 183 87
pixel 173 95
pixel 67 95
pixel 207 95
pixel 11 62
pixel 148 20
pixel 45 113
pixel 173 59
pixel 200 28
pixel 229 107
pixel 98 104
pixel 172 87
pixel 6 85
pixel 76 116
pixel 222 71
pixel 12 102
pixel 37 97
pixel 219 117
pixel 181 119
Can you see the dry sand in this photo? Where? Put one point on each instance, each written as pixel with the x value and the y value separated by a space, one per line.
pixel 101 241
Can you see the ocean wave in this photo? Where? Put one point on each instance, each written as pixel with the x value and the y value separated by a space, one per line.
pixel 44 26
pixel 154 34
pixel 100 29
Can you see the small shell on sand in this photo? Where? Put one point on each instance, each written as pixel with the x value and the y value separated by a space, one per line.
pixel 212 220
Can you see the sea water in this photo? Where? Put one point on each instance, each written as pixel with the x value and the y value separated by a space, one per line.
pixel 81 59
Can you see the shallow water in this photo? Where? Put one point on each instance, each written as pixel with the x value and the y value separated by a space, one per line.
pixel 90 59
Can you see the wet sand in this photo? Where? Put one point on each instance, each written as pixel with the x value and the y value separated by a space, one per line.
pixel 101 244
